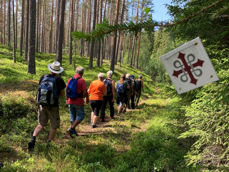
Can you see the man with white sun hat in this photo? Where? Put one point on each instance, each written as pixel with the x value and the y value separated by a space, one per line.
pixel 51 86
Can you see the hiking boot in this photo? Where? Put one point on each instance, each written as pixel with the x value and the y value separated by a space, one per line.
pixel 31 145
pixel 72 132
pixel 93 126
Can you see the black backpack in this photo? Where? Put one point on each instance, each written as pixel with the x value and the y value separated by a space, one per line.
pixel 47 91
pixel 108 84
pixel 128 83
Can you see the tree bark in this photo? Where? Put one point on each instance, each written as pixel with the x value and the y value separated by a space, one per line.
pixel 9 17
pixel 89 26
pixel 4 23
pixel 60 33
pixel 43 35
pixel 38 26
pixel 14 34
pixel 32 37
pixel 1 26
pixel 16 21
pixel 93 42
pixel 57 23
pixel 115 37
pixel 51 27
pixel 71 29
pixel 22 27
pixel 99 41
pixel 27 31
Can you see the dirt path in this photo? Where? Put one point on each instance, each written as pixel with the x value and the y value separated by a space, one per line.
pixel 108 125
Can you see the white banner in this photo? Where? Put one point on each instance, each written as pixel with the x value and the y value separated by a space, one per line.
pixel 189 66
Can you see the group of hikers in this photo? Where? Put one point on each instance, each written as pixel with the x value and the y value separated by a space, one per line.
pixel 101 92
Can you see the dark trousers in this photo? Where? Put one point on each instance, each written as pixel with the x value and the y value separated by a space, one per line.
pixel 133 101
pixel 107 99
pixel 138 95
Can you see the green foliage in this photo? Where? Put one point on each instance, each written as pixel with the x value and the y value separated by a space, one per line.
pixel 208 117
pixel 212 25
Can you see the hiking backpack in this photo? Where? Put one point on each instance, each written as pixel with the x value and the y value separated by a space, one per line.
pixel 47 91
pixel 120 88
pixel 108 84
pixel 128 81
pixel 71 90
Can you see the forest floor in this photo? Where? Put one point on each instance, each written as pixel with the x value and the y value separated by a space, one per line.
pixel 143 139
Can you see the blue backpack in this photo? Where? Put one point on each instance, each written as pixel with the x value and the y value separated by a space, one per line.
pixel 120 88
pixel 47 91
pixel 71 90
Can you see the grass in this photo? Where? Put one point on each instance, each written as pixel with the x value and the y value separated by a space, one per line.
pixel 145 139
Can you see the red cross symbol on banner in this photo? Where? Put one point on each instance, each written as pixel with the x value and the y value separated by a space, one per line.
pixel 188 68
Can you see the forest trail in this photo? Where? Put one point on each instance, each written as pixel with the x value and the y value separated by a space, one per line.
pixel 108 125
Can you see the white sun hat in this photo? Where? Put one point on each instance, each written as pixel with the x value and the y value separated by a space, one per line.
pixel 55 67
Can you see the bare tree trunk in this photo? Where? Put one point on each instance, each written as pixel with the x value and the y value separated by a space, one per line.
pixel 120 37
pixel 71 29
pixel 132 51
pixel 139 36
pixel 76 23
pixel 115 37
pixel 16 21
pixel 93 42
pixel 129 48
pixel 27 31
pixel 57 23
pixel 83 18
pixel 14 34
pixel 38 26
pixel 22 27
pixel 43 42
pixel 32 37
pixel 60 33
pixel 99 41
pixel 9 16
pixel 103 40
pixel 89 26
pixel 51 27
pixel 4 23
pixel 1 26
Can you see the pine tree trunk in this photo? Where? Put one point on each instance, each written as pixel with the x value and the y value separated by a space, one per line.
pixel 32 37
pixel 38 26
pixel 16 21
pixel 103 40
pixel 1 26
pixel 43 35
pixel 57 23
pixel 60 33
pixel 99 41
pixel 27 31
pixel 4 23
pixel 139 36
pixel 83 21
pixel 71 29
pixel 76 24
pixel 14 34
pixel 9 17
pixel 51 27
pixel 93 42
pixel 22 27
pixel 89 26
pixel 115 37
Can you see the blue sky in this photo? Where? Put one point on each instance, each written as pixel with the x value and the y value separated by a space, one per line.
pixel 160 11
